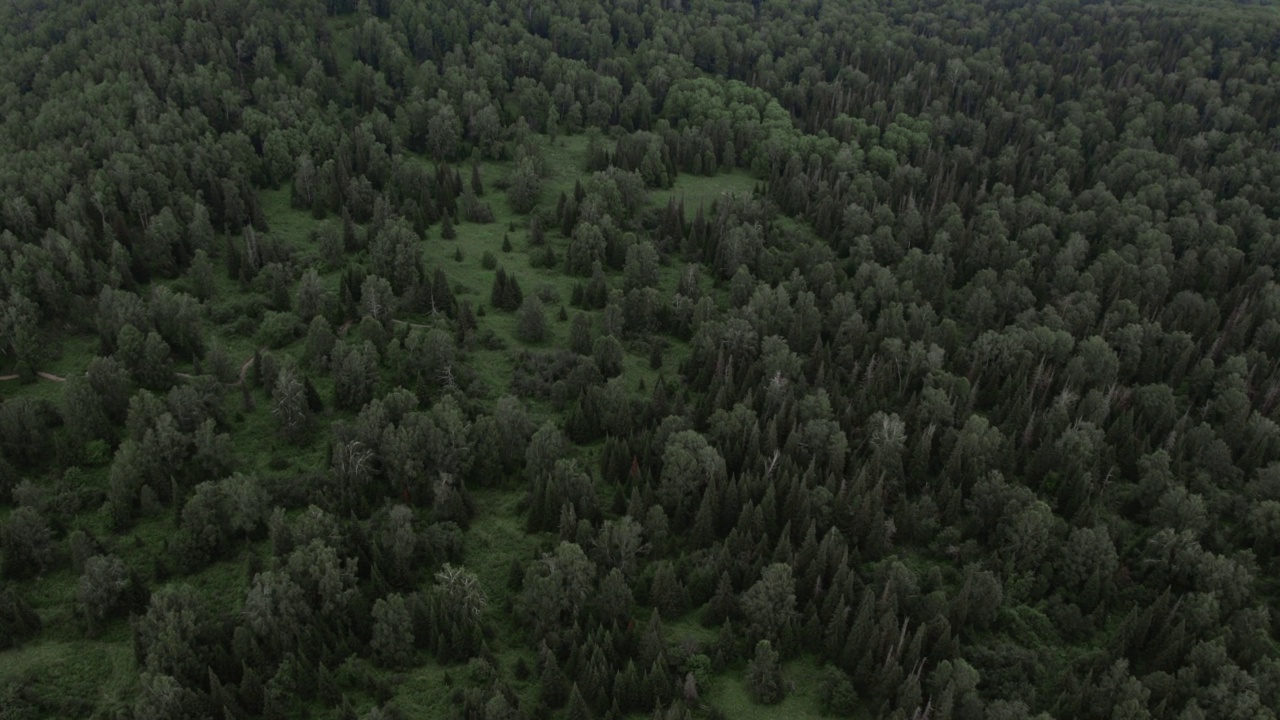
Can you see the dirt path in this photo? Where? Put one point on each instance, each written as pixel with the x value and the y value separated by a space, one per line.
pixel 347 325
pixel 41 374
pixel 244 369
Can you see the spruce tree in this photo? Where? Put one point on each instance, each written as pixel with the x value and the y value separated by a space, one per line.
pixel 578 709
pixel 553 685
pixel 764 676
pixel 498 295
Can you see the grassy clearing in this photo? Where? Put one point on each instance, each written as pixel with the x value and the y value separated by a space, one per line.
pixel 700 190
pixel 566 157
pixel 62 664
pixel 495 538
pixel 689 629
pixel 424 692
pixel 74 675
pixel 287 222
pixel 729 693
pixel 65 357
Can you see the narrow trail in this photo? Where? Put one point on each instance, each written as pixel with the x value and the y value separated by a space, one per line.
pixel 244 369
pixel 342 330
pixel 40 374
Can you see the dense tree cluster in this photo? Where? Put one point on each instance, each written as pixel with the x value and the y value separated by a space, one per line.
pixel 968 408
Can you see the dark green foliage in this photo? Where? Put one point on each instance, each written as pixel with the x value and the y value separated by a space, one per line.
pixel 355 373
pixel 537 236
pixel 27 542
pixel 173 635
pixel 966 315
pixel 608 355
pixel 107 588
pixel 506 293
pixel 667 593
pixel 553 686
pixel 24 425
pixel 524 187
pixel 531 321
pixel 18 620
pixel 580 340
pixel 837 694
pixel 764 680
pixel 392 642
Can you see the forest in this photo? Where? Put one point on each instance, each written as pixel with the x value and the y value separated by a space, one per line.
pixel 671 359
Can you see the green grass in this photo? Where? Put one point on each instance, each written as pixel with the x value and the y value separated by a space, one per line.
pixel 566 157
pixel 729 693
pixel 700 190
pixel 495 537
pixel 65 357
pixel 690 629
pixel 73 675
pixel 61 664
pixel 423 692
pixel 284 220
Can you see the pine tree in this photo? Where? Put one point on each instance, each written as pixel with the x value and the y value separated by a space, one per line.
pixel 536 235
pixel 653 643
pixel 666 591
pixel 447 230
pixel 514 297
pixel 578 709
pixel 498 295
pixel 724 604
pixel 554 686
pixel 764 676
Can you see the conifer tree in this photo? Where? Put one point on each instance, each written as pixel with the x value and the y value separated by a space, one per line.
pixel 764 676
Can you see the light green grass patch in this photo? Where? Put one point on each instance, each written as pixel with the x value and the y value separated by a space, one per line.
pixel 496 537
pixel 689 629
pixel 566 157
pixel 66 357
pixel 423 692
pixel 75 674
pixel 729 693
pixel 700 190
pixel 284 220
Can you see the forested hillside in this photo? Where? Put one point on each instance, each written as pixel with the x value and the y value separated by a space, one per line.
pixel 642 358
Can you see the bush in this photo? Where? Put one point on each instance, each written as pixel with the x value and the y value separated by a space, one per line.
pixel 279 329
pixel 837 694
pixel 18 620
pixel 27 542
pixel 531 325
